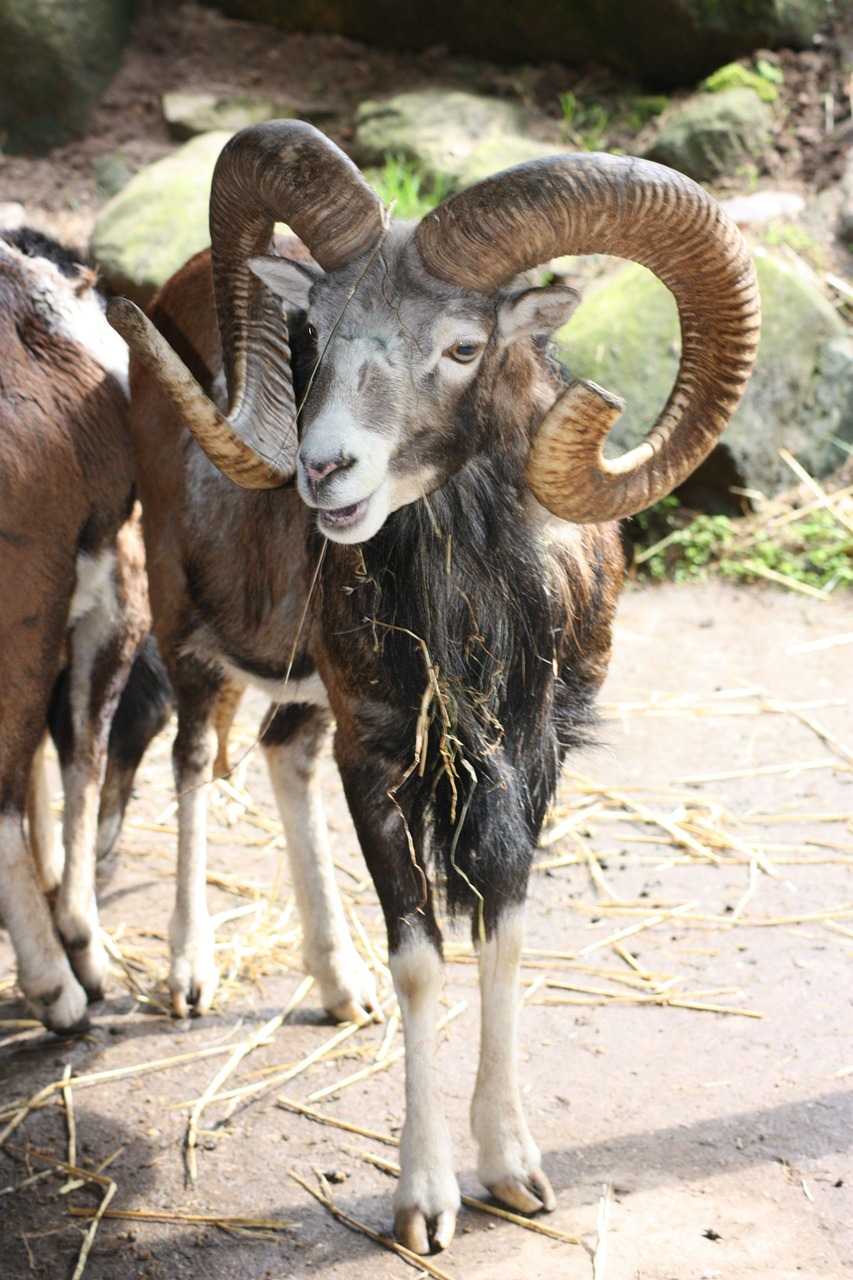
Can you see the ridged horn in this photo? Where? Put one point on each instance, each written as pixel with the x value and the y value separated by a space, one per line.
pixel 280 171
pixel 596 203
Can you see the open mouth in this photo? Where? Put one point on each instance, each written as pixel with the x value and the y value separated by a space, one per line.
pixel 342 517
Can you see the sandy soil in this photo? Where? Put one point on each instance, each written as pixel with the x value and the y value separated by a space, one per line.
pixel 717 1143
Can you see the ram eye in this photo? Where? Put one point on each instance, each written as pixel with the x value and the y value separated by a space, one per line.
pixel 463 352
pixel 312 333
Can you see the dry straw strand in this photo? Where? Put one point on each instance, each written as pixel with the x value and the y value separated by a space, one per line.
pixel 311 1113
pixel 599 1260
pixel 68 1100
pixel 239 1052
pixel 388 1061
pixel 223 1220
pixel 288 1073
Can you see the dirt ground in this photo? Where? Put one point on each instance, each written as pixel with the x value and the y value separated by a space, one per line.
pixel 688 1082
pixel 683 1143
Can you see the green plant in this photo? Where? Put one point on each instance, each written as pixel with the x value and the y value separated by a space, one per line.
pixel 584 124
pixel 769 71
pixel 748 175
pixel 796 238
pixel 643 108
pixel 799 241
pixel 402 184
pixel 812 550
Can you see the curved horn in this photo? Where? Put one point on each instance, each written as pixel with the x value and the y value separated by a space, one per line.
pixel 596 203
pixel 280 171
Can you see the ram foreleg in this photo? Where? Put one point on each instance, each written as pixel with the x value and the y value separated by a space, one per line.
pixel 509 1163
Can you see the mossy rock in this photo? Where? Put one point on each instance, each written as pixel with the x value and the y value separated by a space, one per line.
pixel 56 58
pixel 626 337
pixel 158 220
pixel 452 137
pixel 714 134
pixel 189 113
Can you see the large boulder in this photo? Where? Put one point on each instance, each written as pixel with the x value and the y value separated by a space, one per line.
pixel 158 220
pixel 800 397
pixel 190 112
pixel 456 138
pixel 663 43
pixel 56 58
pixel 714 134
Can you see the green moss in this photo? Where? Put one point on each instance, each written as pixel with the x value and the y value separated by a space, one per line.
pixel 159 220
pixel 736 76
pixel 627 317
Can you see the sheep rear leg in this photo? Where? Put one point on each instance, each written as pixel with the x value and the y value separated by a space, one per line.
pixel 44 829
pixel 509 1163
pixel 193 975
pixel 292 742
pixel 102 644
pixel 31 647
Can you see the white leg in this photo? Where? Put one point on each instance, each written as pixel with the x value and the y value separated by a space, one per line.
pixel 193 976
pixel 509 1163
pixel 97 669
pixel 347 987
pixel 426 1200
pixel 76 911
pixel 44 829
pixel 44 974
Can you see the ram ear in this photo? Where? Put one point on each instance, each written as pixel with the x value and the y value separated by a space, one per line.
pixel 536 312
pixel 287 279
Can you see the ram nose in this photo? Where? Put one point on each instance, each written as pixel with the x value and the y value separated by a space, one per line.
pixel 318 470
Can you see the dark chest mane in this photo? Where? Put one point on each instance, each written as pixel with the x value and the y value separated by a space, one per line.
pixel 450 617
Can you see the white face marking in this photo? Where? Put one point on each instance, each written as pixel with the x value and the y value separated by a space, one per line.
pixel 388 374
pixel 219 392
pixel 397 349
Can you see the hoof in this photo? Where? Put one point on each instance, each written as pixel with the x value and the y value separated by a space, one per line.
pixel 423 1235
pixel 196 1000
pixel 352 1011
pixel 78 1028
pixel 62 1009
pixel 529 1196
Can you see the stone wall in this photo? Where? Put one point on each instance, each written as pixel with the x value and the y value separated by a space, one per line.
pixel 664 43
